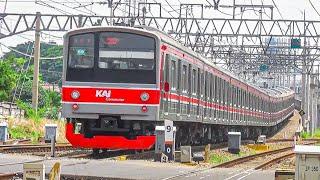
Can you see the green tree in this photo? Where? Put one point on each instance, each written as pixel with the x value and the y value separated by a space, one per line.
pixel 9 76
pixel 51 70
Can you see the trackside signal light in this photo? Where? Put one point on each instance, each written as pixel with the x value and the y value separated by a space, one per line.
pixel 75 107
pixel 144 108
pixel 166 87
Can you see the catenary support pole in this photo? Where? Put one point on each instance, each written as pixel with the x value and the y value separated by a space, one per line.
pixel 35 82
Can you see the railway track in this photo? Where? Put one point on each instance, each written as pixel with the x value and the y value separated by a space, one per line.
pixel 247 159
pixel 283 153
pixel 29 148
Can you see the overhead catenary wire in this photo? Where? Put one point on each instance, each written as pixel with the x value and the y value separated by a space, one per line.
pixel 28 55
pixel 315 9
pixel 275 5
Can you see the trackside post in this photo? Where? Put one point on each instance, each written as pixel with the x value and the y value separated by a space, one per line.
pixel 165 142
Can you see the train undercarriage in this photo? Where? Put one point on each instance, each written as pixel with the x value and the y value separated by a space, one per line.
pixel 109 132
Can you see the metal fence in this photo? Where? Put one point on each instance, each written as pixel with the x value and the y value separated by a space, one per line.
pixel 10 109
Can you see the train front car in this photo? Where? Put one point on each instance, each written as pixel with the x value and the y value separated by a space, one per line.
pixel 110 92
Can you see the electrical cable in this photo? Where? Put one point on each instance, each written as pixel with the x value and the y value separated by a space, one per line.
pixel 314 8
pixel 31 56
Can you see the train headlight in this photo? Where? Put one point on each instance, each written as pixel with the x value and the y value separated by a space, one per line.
pixel 75 94
pixel 144 96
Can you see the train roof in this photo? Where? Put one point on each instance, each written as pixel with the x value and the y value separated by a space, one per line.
pixel 165 37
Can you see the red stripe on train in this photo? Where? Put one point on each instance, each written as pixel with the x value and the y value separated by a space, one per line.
pixel 110 95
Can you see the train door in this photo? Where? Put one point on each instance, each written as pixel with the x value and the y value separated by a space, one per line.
pixel 200 94
pixel 163 100
pixel 206 95
pixel 179 88
pixel 166 80
pixel 193 104
pixel 174 98
pixel 214 98
pixel 184 103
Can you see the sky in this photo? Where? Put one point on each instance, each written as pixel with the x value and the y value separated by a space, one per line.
pixel 290 9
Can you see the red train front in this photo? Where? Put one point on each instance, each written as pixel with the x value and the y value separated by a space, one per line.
pixel 111 89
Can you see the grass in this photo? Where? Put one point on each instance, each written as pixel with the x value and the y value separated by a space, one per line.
pixel 33 129
pixel 220 156
pixel 307 135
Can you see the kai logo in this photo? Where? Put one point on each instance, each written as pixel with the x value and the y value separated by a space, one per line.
pixel 103 93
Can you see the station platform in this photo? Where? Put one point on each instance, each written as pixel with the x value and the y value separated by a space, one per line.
pixel 130 169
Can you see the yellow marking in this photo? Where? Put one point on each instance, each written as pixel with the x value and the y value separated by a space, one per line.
pixel 258 147
pixel 122 158
pixel 55 172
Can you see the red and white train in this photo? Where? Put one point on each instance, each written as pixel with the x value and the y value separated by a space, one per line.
pixel 120 82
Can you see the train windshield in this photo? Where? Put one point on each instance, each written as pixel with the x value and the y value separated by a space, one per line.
pixel 112 57
pixel 126 51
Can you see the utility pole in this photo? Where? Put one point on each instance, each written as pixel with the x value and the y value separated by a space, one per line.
pixel 110 2
pixel 303 79
pixel 35 82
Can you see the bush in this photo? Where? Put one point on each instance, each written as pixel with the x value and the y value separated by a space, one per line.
pixel 22 132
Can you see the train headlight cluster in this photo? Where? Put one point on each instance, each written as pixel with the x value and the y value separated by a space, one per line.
pixel 144 96
pixel 75 94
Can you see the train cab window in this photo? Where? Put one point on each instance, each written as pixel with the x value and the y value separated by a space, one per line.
pixel 81 51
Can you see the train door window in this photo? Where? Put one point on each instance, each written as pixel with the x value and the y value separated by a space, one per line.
pixel 179 83
pixel 184 79
pixel 184 83
pixel 173 76
pixel 200 78
pixel 223 92
pixel 194 81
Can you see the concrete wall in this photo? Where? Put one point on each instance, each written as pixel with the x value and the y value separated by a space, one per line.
pixel 8 109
